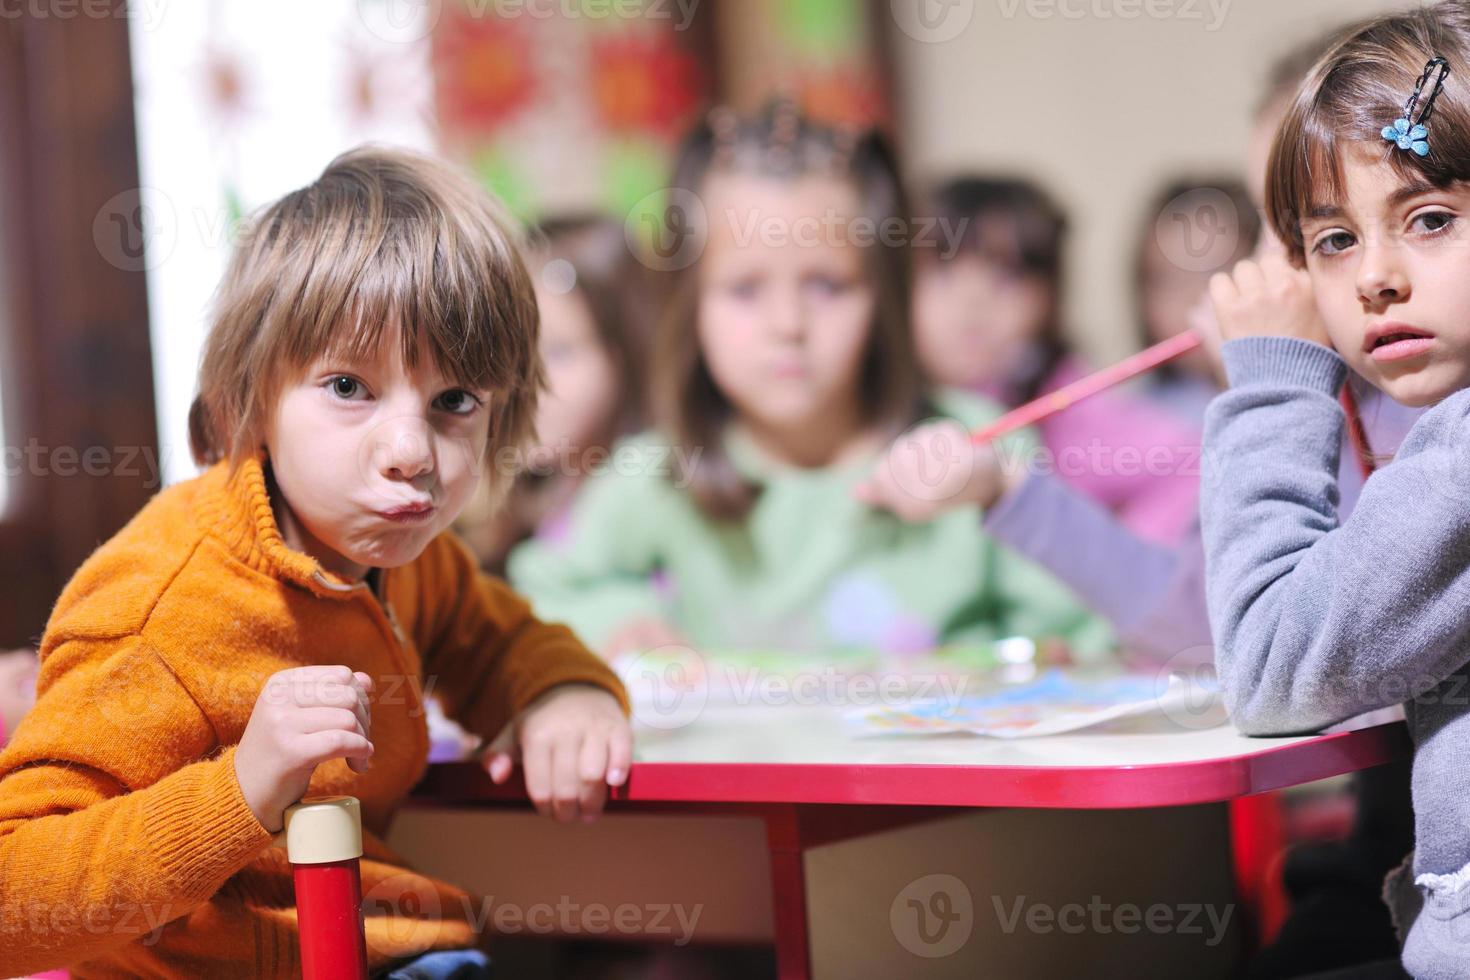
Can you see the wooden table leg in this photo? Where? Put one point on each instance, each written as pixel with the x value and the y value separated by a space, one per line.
pixel 788 891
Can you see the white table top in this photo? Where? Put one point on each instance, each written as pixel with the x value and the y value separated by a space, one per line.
pixel 804 754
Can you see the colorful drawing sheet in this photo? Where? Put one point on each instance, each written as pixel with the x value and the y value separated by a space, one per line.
pixel 1051 705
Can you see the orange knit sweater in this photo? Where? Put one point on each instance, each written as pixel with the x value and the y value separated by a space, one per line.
pixel 126 847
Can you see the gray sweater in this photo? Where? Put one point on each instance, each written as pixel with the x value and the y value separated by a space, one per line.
pixel 1318 619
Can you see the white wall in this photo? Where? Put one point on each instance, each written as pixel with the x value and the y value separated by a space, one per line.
pixel 1101 109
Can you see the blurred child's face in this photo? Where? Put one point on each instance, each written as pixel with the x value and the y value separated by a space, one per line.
pixel 1170 295
pixel 372 460
pixel 575 412
pixel 785 304
pixel 1390 268
pixel 975 319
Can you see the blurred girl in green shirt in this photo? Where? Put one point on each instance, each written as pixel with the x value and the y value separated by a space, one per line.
pixel 782 375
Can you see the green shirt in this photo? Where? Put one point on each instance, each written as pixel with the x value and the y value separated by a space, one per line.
pixel 811 568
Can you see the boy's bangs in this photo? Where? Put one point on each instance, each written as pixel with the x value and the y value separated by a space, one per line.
pixel 400 284
pixel 387 246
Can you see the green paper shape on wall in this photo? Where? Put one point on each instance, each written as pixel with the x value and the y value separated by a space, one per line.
pixel 829 30
pixel 632 170
pixel 506 179
pixel 234 207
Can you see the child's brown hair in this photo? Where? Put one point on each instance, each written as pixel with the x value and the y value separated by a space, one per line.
pixel 385 241
pixel 780 142
pixel 1356 89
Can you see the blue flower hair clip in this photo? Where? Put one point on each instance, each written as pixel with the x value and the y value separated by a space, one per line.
pixel 1412 134
pixel 1408 137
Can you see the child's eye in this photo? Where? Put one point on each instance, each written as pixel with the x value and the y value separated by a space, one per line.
pixel 346 387
pixel 743 288
pixel 457 402
pixel 1433 222
pixel 1338 241
pixel 826 285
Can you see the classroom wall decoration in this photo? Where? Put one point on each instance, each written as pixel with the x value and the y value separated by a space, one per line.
pixel 569 105
pixel 828 54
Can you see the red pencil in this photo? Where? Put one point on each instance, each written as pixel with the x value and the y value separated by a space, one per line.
pixel 1048 405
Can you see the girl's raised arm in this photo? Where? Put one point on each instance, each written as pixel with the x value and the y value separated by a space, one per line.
pixel 1318 621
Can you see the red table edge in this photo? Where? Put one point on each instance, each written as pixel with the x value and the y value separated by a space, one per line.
pixel 1043 787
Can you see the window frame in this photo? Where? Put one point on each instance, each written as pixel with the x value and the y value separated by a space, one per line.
pixel 76 322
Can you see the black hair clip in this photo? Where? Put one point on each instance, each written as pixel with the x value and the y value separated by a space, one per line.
pixel 1412 134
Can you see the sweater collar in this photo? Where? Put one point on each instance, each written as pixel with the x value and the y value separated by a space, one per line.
pixel 236 509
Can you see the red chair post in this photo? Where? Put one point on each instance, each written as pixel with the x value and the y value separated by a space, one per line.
pixel 323 838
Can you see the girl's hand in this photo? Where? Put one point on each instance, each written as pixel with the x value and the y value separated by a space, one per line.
pixel 640 635
pixel 936 468
pixel 1206 325
pixel 1267 298
pixel 303 717
pixel 574 741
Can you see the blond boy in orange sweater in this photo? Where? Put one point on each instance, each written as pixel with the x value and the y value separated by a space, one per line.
pixel 269 629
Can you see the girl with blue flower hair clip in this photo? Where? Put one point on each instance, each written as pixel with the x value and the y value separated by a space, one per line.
pixel 1320 616
pixel 1414 136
